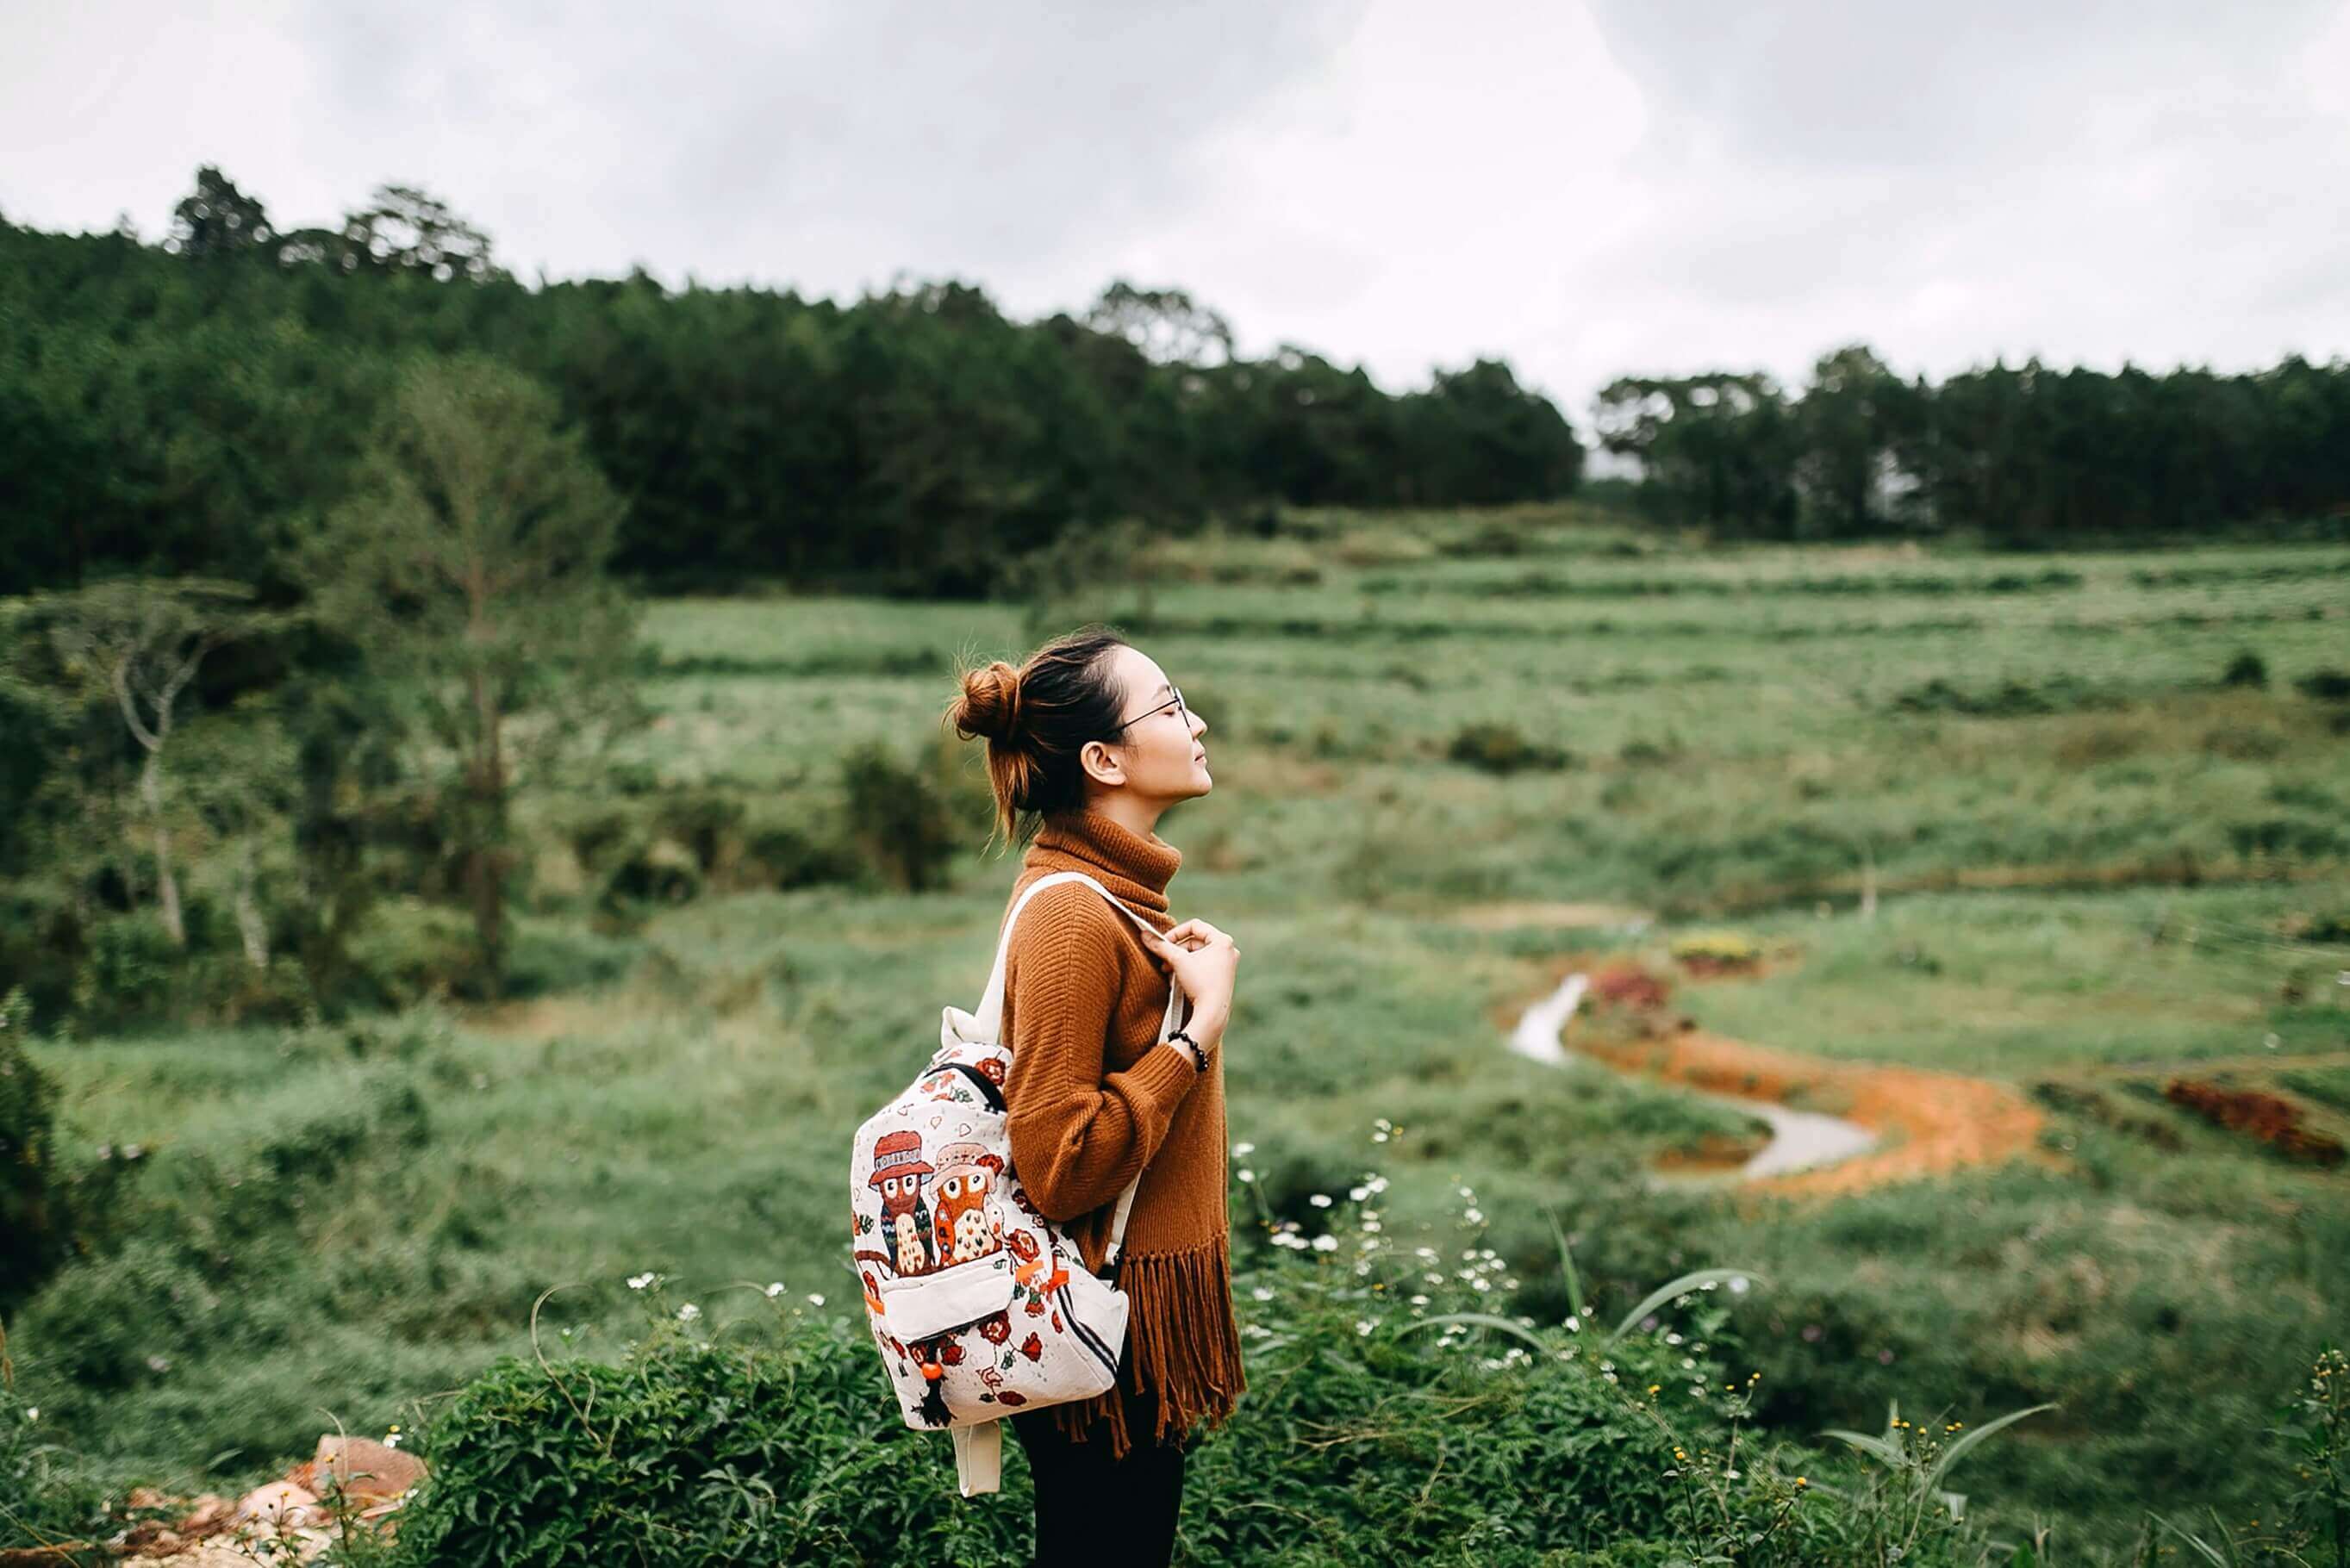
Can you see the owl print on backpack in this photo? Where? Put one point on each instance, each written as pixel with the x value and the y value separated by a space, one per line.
pixel 897 1172
pixel 968 1226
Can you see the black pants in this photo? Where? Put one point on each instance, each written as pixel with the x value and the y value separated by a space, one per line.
pixel 1091 1508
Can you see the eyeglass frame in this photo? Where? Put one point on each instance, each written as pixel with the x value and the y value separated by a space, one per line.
pixel 1176 701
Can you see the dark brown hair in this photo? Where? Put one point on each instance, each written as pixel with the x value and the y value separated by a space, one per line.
pixel 1037 718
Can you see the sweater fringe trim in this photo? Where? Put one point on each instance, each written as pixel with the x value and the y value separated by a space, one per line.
pixel 1181 1342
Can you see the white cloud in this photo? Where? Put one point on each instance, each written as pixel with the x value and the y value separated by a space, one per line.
pixel 1584 189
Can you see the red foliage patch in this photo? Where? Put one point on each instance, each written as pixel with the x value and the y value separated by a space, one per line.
pixel 1627 984
pixel 2274 1122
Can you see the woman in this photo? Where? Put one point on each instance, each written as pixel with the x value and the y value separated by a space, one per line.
pixel 1088 743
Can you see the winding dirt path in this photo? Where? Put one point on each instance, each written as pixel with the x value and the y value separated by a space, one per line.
pixel 1927 1123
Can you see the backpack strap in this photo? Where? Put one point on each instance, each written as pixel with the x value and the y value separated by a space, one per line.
pixel 979 1457
pixel 990 1018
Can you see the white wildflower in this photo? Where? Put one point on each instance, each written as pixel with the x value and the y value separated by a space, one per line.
pixel 1243 1150
pixel 1326 1243
pixel 1357 1194
pixel 1248 1176
pixel 1364 1325
pixel 1261 1293
pixel 1419 1301
pixel 688 1313
pixel 815 1299
pixel 774 1290
pixel 639 1282
pixel 1320 1201
pixel 1475 1216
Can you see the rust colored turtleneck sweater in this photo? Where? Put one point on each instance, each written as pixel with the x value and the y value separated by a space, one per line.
pixel 1093 1097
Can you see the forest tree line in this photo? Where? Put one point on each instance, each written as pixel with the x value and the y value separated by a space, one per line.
pixel 192 406
pixel 188 407
pixel 2015 456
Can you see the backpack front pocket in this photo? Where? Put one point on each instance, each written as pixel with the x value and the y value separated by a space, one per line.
pixel 920 1306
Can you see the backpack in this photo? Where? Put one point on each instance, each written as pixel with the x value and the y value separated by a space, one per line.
pixel 979 1304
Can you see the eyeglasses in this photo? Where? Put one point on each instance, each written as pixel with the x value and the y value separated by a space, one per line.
pixel 1174 702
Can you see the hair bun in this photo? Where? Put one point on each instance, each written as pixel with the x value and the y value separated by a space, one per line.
pixel 991 702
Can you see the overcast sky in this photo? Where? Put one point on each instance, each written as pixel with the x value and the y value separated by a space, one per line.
pixel 1586 188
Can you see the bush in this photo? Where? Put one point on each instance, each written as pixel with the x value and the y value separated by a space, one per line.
pixel 1716 951
pixel 34 1235
pixel 660 872
pixel 1374 1368
pixel 1499 748
pixel 2247 669
pixel 781 857
pixel 410 951
pixel 898 818
pixel 127 972
pixel 2325 685
pixel 41 945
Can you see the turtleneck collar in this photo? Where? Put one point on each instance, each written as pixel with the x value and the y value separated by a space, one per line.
pixel 1136 868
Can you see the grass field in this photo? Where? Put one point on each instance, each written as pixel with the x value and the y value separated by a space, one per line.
pixel 2085 844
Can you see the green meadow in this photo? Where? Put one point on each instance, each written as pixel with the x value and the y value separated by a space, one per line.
pixel 2080 819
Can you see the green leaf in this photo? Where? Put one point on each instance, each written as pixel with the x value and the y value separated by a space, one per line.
pixel 1663 1294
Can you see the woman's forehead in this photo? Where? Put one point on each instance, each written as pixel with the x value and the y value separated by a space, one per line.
pixel 1140 673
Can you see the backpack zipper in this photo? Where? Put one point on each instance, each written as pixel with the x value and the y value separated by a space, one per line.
pixel 986 1085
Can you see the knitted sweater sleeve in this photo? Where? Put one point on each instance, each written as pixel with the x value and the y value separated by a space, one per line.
pixel 1079 1134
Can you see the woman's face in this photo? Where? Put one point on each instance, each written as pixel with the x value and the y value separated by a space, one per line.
pixel 1158 751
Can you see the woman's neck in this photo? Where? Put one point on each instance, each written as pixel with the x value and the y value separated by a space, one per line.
pixel 1139 817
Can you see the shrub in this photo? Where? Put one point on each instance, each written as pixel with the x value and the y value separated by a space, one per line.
pixel 32 1233
pixel 2247 669
pixel 660 872
pixel 127 971
pixel 1374 1367
pixel 898 818
pixel 1716 952
pixel 410 951
pixel 781 856
pixel 1499 748
pixel 2325 685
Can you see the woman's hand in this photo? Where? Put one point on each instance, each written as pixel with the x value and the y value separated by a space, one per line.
pixel 1205 963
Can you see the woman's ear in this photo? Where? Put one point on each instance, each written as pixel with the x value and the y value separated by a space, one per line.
pixel 1101 764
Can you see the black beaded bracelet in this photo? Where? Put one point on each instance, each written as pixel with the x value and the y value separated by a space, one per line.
pixel 1198 1050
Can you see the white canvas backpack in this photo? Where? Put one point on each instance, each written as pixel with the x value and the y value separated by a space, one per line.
pixel 980 1306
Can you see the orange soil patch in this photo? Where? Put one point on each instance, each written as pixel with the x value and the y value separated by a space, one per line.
pixel 1927 1123
pixel 1930 1122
